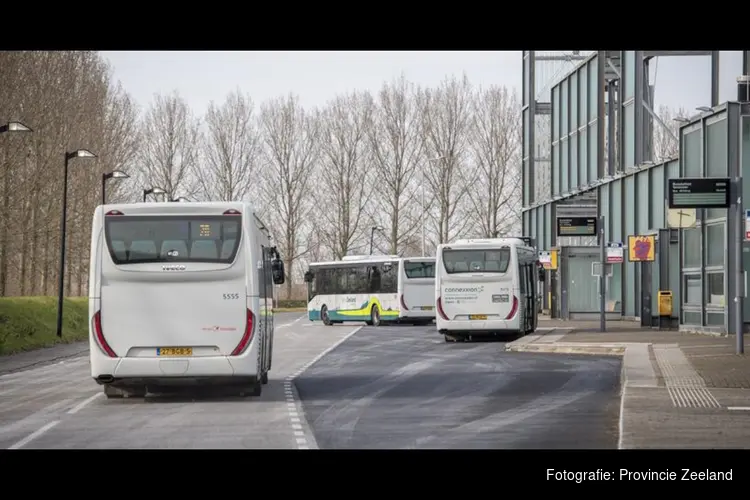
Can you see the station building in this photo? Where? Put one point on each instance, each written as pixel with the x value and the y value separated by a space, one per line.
pixel 588 152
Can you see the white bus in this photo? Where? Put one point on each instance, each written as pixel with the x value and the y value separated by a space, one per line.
pixel 486 287
pixel 181 293
pixel 373 289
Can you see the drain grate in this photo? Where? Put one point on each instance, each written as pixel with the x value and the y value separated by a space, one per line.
pixel 686 388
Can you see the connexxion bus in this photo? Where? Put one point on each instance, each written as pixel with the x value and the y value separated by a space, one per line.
pixel 486 287
pixel 373 289
pixel 181 293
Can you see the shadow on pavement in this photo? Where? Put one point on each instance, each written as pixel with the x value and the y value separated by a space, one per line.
pixel 272 392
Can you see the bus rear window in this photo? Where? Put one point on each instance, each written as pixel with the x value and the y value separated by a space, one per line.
pixel 146 239
pixel 419 269
pixel 476 261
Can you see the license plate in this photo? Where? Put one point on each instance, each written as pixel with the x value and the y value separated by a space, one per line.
pixel 174 351
pixel 427 308
pixel 478 316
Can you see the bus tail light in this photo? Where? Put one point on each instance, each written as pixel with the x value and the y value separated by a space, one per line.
pixel 513 308
pixel 440 309
pixel 247 337
pixel 403 303
pixel 99 334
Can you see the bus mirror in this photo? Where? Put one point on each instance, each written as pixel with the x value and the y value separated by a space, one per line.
pixel 542 274
pixel 277 269
pixel 308 277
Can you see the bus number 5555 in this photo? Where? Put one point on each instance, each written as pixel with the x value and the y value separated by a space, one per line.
pixel 231 296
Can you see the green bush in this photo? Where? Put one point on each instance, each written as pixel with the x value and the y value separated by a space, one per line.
pixel 28 323
pixel 292 304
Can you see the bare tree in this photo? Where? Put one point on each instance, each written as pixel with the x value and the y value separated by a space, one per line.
pixel 71 102
pixel 495 145
pixel 342 196
pixel 446 119
pixel 666 144
pixel 231 150
pixel 291 144
pixel 396 147
pixel 170 145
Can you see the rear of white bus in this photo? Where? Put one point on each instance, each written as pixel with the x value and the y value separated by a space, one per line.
pixel 416 289
pixel 171 298
pixel 476 290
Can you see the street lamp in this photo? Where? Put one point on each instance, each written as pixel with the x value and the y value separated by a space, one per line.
pixel 372 235
pixel 153 190
pixel 115 174
pixel 81 153
pixel 424 212
pixel 14 127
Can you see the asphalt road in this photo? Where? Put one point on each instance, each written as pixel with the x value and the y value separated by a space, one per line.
pixel 404 387
pixel 58 405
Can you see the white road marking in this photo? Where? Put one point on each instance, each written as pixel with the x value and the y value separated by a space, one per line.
pixel 292 403
pixel 738 408
pixel 83 403
pixel 33 435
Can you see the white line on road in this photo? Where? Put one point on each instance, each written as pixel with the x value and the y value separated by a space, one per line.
pixel 295 416
pixel 33 435
pixel 738 408
pixel 83 403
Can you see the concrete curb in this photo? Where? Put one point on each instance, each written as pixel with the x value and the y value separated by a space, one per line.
pixel 557 348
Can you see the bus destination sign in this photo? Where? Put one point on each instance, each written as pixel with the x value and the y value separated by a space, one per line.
pixel 710 192
pixel 576 226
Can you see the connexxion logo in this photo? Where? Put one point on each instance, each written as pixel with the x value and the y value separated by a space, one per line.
pixel 474 289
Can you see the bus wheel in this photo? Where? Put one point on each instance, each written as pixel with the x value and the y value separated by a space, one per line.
pixel 254 390
pixel 113 392
pixel 264 378
pixel 375 316
pixel 324 315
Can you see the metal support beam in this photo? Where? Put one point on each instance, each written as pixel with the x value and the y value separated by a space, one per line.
pixel 745 61
pixel 562 58
pixel 532 126
pixel 601 110
pixel 543 108
pixel 714 78
pixel 637 109
pixel 611 127
pixel 669 53
pixel 613 68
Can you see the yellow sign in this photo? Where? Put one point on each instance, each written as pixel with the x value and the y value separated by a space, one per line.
pixel 665 303
pixel 549 260
pixel 641 248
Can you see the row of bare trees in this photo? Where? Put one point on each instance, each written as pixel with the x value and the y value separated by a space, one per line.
pixel 423 165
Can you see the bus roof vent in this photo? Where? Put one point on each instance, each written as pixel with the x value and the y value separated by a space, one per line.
pixel 232 211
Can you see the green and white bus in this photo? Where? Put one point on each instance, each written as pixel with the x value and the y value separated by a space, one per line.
pixel 373 289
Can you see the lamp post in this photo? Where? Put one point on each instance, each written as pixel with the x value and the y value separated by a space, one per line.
pixel 372 235
pixel 12 127
pixel 424 213
pixel 115 174
pixel 81 153
pixel 153 190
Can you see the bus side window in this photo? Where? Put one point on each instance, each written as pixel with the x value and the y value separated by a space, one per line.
pixel 523 279
pixel 389 278
pixel 375 279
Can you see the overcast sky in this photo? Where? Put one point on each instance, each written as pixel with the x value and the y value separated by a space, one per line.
pixel 318 76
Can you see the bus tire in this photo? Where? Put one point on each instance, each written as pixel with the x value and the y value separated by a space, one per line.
pixel 375 316
pixel 264 378
pixel 254 390
pixel 324 315
pixel 113 392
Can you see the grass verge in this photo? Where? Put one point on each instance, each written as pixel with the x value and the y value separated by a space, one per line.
pixel 28 323
pixel 289 309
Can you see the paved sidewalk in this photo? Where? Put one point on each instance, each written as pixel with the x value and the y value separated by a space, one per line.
pixel 679 390
pixel 26 360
